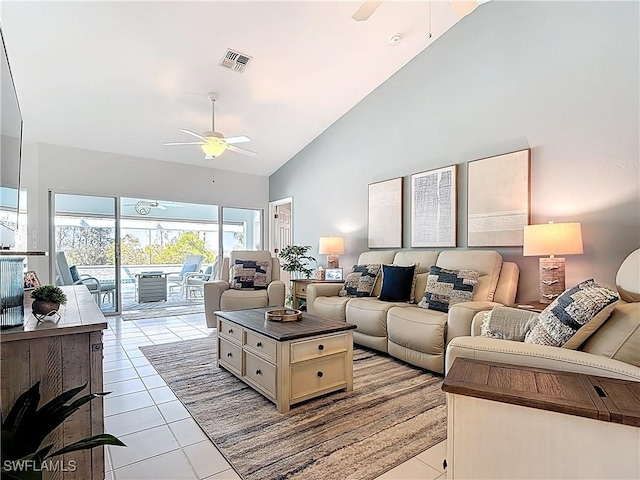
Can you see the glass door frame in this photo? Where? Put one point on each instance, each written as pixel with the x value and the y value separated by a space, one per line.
pixel 52 241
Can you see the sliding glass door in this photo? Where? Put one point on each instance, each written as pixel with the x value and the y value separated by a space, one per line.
pixel 85 246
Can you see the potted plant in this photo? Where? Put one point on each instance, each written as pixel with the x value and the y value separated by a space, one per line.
pixel 47 300
pixel 25 428
pixel 295 261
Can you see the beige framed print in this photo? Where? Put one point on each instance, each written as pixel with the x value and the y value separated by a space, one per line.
pixel 333 274
pixel 498 200
pixel 434 208
pixel 385 214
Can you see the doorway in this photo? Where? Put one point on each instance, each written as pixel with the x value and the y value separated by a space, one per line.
pixel 281 229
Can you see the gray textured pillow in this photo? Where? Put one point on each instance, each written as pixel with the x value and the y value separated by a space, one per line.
pixel 448 287
pixel 361 281
pixel 576 307
pixel 508 323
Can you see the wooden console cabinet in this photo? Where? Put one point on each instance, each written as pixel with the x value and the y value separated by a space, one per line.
pixel 60 356
pixel 507 421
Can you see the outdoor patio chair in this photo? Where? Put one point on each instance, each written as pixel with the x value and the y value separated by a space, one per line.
pixel 192 264
pixel 66 275
pixel 194 282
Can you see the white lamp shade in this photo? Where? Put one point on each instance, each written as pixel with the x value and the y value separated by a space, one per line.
pixel 552 239
pixel 331 246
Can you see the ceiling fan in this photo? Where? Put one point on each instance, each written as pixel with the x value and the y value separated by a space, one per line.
pixel 368 8
pixel 143 207
pixel 214 143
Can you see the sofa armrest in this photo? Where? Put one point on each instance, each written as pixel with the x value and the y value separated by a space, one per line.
pixel 539 356
pixel 461 315
pixel 212 295
pixel 276 292
pixel 315 290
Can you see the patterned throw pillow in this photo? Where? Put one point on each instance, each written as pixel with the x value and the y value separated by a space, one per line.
pixel 448 287
pixel 398 283
pixel 361 280
pixel 249 275
pixel 576 307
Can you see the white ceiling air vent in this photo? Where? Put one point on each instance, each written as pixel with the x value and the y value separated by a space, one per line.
pixel 236 61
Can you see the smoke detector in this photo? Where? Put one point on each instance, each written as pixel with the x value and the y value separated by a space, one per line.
pixel 235 60
pixel 395 39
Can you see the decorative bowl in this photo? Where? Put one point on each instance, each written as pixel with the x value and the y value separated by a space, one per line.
pixel 283 315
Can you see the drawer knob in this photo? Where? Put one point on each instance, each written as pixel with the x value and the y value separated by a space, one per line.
pixel 320 374
pixel 230 330
pixel 258 372
pixel 320 347
pixel 229 354
pixel 259 344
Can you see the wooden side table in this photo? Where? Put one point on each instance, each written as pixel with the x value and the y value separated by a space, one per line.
pixel 300 289
pixel 507 421
pixel 533 306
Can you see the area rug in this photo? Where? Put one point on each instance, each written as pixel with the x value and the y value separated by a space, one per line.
pixel 394 412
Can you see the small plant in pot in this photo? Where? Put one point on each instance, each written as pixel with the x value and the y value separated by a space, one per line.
pixel 295 261
pixel 47 301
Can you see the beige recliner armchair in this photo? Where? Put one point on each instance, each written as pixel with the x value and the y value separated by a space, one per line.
pixel 219 296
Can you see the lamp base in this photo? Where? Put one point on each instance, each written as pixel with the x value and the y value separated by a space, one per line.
pixel 333 261
pixel 551 279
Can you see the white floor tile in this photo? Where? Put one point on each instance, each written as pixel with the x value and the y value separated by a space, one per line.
pixel 226 475
pixel 146 370
pixel 206 459
pixel 172 411
pixel 142 445
pixel 187 432
pixel 117 365
pixel 154 381
pixel 140 361
pixel 126 403
pixel 108 475
pixel 134 421
pixel 412 469
pixel 120 375
pixel 168 466
pixel 162 395
pixel 134 352
pixel 434 456
pixel 122 388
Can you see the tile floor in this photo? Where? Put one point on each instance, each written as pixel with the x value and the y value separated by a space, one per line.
pixel 163 441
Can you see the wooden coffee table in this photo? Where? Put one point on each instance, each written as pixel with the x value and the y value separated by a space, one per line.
pixel 287 362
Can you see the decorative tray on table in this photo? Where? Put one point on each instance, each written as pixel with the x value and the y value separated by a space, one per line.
pixel 283 315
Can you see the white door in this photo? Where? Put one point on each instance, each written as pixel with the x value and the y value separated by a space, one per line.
pixel 281 229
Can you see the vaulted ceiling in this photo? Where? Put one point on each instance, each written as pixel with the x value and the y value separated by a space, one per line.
pixel 124 77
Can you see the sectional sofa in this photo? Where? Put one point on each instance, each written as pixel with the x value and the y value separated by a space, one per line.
pixel 416 335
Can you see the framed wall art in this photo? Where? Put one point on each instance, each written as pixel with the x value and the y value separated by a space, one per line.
pixel 498 200
pixel 333 274
pixel 385 214
pixel 434 208
pixel 31 280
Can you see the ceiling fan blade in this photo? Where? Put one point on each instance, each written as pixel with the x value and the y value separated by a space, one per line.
pixel 161 207
pixel 240 139
pixel 463 8
pixel 366 10
pixel 183 143
pixel 189 132
pixel 243 151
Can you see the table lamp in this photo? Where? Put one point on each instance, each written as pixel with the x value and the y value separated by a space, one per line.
pixel 552 239
pixel 332 247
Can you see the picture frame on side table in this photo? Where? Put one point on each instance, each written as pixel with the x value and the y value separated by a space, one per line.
pixel 31 280
pixel 434 204
pixel 498 199
pixel 385 214
pixel 333 274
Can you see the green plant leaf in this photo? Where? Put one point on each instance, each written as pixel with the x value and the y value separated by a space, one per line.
pixel 55 404
pixel 87 443
pixel 23 409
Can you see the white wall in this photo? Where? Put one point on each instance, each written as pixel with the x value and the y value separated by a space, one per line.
pixel 559 77
pixel 48 167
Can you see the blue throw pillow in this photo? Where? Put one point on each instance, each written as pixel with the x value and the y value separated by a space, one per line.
pixel 188 268
pixel 75 276
pixel 397 283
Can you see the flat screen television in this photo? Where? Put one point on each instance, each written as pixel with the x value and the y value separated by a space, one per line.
pixel 10 153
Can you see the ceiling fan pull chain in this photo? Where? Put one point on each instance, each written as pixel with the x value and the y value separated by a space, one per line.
pixel 430 35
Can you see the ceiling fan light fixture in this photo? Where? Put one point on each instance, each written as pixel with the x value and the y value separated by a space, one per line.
pixel 214 146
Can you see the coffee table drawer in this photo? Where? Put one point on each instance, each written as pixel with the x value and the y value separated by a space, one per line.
pixel 231 354
pixel 321 347
pixel 261 372
pixel 260 345
pixel 231 330
pixel 316 376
